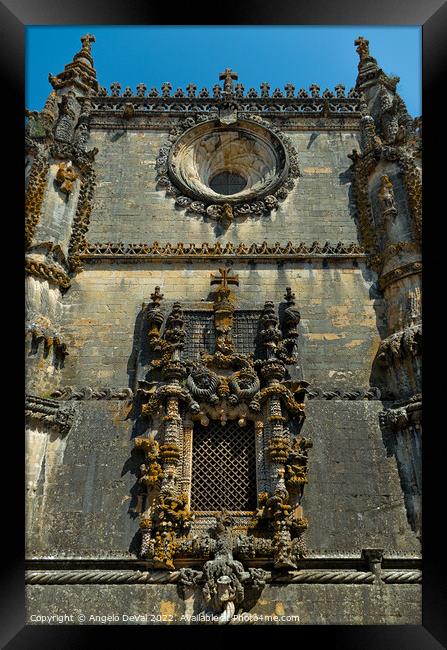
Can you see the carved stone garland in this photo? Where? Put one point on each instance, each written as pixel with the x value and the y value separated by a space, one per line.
pixel 224 385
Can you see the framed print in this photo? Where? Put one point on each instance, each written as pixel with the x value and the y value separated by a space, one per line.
pixel 223 328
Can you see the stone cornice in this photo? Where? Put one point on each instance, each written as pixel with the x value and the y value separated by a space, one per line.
pixel 49 272
pixel 73 577
pixel 264 251
pixel 306 106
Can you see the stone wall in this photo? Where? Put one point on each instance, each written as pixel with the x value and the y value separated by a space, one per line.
pixel 340 314
pixel 83 483
pixel 85 497
pixel 129 208
pixel 162 604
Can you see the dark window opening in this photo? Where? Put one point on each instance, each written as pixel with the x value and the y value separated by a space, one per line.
pixel 223 467
pixel 227 183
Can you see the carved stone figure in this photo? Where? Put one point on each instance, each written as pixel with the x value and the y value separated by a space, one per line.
pixel 225 579
pixel 386 196
pixel 65 177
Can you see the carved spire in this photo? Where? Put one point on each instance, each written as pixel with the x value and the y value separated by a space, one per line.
pixel 155 317
pixel 362 48
pixel 80 74
pixel 224 309
pixel 270 333
pixel 378 92
pixel 367 67
pixel 85 53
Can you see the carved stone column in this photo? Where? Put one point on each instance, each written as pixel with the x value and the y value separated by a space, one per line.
pixel 59 192
pixel 169 450
pixel 388 191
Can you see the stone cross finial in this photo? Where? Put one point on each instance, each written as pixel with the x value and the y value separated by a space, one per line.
pixel 227 76
pixel 314 89
pixel 265 87
pixel 362 47
pixel 224 279
pixel 86 41
pixel 239 90
pixel 191 89
pixel 166 88
pixel 290 89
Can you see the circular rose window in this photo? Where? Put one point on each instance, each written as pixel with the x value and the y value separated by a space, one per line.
pixel 227 170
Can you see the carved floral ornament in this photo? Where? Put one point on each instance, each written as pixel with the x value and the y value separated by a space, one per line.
pixel 259 159
pixel 223 387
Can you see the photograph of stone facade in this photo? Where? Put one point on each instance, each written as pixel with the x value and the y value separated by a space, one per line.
pixel 223 352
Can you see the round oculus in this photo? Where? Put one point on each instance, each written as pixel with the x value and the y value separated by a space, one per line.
pixel 235 163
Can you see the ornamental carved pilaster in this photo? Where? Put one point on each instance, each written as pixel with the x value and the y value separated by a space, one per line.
pixel 35 193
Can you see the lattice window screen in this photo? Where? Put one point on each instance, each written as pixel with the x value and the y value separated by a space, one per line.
pixel 223 467
pixel 200 335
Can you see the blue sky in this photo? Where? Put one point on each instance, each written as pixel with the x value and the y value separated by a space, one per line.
pixel 277 54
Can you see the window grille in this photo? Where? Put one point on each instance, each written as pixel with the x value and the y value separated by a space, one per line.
pixel 200 335
pixel 223 467
pixel 228 183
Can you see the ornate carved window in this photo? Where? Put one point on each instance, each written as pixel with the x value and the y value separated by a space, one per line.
pixel 226 169
pixel 222 445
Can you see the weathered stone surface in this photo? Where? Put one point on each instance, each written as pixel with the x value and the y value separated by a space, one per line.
pixel 128 208
pixel 358 324
pixel 83 508
pixel 340 312
pixel 162 605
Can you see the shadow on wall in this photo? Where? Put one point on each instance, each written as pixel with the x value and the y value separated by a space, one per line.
pixel 395 372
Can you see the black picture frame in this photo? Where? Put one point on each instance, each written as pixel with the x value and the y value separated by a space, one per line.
pixel 15 15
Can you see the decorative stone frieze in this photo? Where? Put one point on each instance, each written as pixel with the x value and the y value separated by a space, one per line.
pixel 344 394
pixel 400 272
pixel 264 250
pixel 89 393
